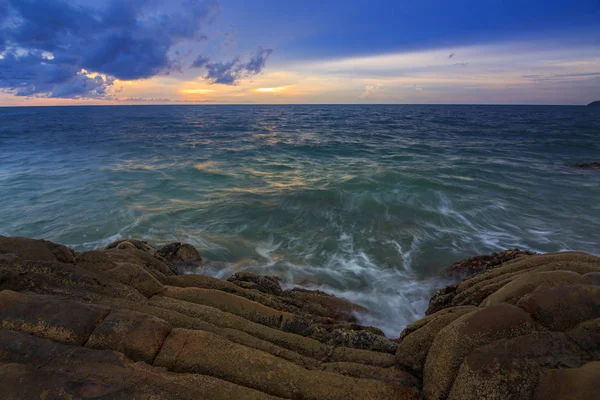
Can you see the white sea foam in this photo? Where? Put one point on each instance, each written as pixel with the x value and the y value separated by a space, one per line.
pixel 394 295
pixel 266 249
pixel 105 241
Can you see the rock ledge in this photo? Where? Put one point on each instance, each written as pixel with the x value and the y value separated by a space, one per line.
pixel 123 323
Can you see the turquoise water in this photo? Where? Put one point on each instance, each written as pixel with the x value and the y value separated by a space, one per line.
pixel 366 202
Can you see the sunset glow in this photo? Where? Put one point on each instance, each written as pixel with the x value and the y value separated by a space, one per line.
pixel 230 53
pixel 272 89
pixel 197 91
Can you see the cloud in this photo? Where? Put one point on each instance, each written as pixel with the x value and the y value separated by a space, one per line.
pixel 371 90
pixel 34 73
pixel 197 91
pixel 562 77
pixel 230 72
pixel 200 61
pixel 145 99
pixel 47 46
pixel 510 59
pixel 258 61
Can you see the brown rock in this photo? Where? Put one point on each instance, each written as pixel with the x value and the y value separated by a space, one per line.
pixel 138 336
pixel 475 289
pixel 125 244
pixel 228 302
pixel 593 277
pixel 441 299
pixel 303 345
pixel 47 317
pixel 35 250
pixel 209 282
pixel 566 261
pixel 8 259
pixel 482 263
pixel 20 381
pixel 587 336
pixel 73 281
pixel 528 283
pixel 187 252
pixel 181 253
pixel 265 284
pixel 84 373
pixel 361 339
pixel 509 368
pixel 454 342
pixel 9 279
pixel 257 341
pixel 135 275
pixel 153 263
pixel 392 375
pixel 206 353
pixel 366 357
pixel 180 320
pixel 562 308
pixel 417 338
pixel 204 282
pixel 569 384
pixel 323 304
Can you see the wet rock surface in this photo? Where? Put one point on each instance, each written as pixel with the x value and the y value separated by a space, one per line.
pixel 528 328
pixel 123 323
pixel 481 263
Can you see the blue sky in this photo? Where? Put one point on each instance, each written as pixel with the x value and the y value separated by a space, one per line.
pixel 267 51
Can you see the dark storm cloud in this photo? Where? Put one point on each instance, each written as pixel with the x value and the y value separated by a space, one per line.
pixel 46 44
pixel 229 72
pixel 200 61
pixel 34 74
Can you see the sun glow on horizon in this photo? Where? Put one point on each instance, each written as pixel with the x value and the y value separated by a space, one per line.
pixel 272 89
pixel 197 91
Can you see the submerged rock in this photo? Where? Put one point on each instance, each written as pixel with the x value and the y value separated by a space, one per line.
pixel 586 165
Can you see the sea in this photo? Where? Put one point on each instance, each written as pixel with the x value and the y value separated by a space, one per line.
pixel 367 202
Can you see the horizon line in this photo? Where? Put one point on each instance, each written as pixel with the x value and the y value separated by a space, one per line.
pixel 295 104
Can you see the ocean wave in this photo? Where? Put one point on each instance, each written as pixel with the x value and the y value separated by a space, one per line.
pixel 320 196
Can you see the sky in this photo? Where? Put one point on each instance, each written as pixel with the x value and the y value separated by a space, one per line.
pixel 77 52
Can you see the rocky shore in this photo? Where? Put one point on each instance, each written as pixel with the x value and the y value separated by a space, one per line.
pixel 123 323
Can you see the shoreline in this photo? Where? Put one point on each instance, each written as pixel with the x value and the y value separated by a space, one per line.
pixel 125 314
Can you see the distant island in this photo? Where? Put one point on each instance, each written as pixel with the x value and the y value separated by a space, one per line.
pixel 594 104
